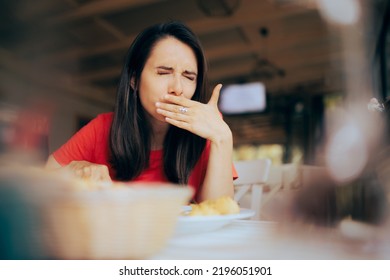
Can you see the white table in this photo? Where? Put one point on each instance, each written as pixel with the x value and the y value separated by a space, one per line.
pixel 248 239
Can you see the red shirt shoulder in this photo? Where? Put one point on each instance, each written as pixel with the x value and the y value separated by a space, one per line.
pixel 90 143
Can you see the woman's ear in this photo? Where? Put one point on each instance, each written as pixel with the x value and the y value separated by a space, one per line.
pixel 132 83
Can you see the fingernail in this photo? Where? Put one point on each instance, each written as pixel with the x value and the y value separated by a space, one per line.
pixel 158 104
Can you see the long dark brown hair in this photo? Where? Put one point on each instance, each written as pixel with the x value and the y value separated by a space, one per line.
pixel 130 138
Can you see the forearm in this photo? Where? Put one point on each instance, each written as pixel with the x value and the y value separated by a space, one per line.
pixel 82 169
pixel 219 175
pixel 52 163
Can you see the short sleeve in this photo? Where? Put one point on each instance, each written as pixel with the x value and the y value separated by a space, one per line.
pixel 81 145
pixel 235 175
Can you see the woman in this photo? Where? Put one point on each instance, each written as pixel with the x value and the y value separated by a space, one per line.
pixel 165 126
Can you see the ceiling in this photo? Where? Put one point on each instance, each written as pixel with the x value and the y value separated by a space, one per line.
pixel 286 46
pixel 283 43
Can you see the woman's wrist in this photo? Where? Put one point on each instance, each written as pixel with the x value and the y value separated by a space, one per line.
pixel 223 137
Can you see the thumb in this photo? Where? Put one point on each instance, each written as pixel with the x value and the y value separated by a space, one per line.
pixel 215 95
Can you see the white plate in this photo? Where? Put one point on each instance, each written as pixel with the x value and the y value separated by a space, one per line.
pixel 198 224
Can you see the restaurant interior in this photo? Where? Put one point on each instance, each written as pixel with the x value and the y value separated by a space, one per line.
pixel 299 78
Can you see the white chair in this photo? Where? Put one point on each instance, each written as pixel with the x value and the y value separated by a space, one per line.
pixel 284 177
pixel 252 176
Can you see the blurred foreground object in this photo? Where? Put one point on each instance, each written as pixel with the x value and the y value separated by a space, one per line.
pixel 375 106
pixel 24 132
pixel 326 202
pixel 42 217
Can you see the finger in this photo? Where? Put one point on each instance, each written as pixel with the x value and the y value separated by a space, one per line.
pixel 179 124
pixel 215 95
pixel 169 107
pixel 87 172
pixel 95 173
pixel 78 173
pixel 104 175
pixel 178 100
pixel 78 168
pixel 173 115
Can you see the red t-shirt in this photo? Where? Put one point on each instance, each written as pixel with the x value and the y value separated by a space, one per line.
pixel 90 143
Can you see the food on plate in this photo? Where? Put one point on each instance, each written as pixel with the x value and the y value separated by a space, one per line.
pixel 224 205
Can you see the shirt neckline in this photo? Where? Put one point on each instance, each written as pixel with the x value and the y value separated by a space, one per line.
pixel 156 153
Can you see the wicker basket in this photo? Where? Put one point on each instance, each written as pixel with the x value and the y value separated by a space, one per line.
pixel 48 216
pixel 126 223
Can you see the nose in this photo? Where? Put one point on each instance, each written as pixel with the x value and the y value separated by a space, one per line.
pixel 175 86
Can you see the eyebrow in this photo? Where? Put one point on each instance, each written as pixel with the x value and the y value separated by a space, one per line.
pixel 170 69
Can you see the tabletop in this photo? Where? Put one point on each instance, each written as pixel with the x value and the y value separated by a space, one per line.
pixel 252 240
pixel 241 239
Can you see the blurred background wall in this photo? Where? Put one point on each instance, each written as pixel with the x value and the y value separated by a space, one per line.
pixel 62 58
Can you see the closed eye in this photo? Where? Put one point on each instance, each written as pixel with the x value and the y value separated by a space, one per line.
pixel 190 75
pixel 191 78
pixel 163 72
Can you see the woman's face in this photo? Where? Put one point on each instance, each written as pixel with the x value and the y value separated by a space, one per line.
pixel 170 69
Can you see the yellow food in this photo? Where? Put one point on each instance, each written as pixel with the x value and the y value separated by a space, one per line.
pixel 222 206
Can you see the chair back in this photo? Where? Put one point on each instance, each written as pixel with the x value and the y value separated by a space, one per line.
pixel 252 171
pixel 252 176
